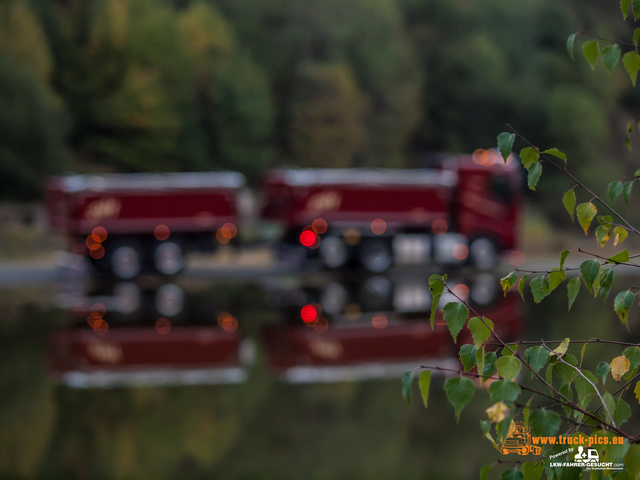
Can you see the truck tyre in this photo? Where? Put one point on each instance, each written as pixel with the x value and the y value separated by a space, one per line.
pixel 483 253
pixel 334 252
pixel 375 255
pixel 125 260
pixel 168 258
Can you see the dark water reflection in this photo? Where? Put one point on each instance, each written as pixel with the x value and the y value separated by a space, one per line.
pixel 265 400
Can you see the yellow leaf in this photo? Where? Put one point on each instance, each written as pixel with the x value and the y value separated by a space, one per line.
pixel 562 348
pixel 619 366
pixel 497 412
pixel 637 391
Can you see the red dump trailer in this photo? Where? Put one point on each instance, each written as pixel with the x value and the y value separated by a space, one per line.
pixel 128 223
pixel 465 211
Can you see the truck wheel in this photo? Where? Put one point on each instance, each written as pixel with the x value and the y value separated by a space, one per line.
pixel 334 252
pixel 375 255
pixel 483 254
pixel 168 258
pixel 125 260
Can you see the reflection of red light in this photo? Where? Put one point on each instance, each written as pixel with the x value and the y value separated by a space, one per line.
pixel 461 291
pixel 379 321
pixel 319 225
pixel 100 327
pixel 516 258
pixel 439 227
pixel 308 313
pixel 460 251
pixel 307 238
pixel 163 326
pixel 228 230
pixel 321 325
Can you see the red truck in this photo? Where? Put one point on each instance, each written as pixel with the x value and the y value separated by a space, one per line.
pixel 128 223
pixel 465 211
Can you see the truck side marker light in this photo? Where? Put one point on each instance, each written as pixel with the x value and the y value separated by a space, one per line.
pixel 439 227
pixel 307 238
pixel 460 251
pixel 97 253
pixel 161 232
pixel 516 258
pixel 319 225
pixel 99 234
pixel 229 230
pixel 321 325
pixel 378 226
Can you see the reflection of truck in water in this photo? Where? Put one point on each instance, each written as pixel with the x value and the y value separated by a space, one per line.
pixel 520 442
pixel 466 211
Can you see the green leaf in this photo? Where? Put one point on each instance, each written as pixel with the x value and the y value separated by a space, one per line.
pixel 637 172
pixel 622 304
pixel 622 409
pixel 610 57
pixel 633 354
pixel 561 349
pixel 436 287
pixel 529 156
pixel 556 153
pixel 573 287
pixel 591 52
pixel 626 192
pixel 614 189
pixel 424 382
pixel 570 42
pixel 563 257
pixel 484 472
pixel 569 201
pixel 603 370
pixel 489 364
pixel 624 6
pixel 632 461
pixel 505 144
pixel 479 331
pixel 544 423
pixel 539 288
pixel 567 392
pixel 590 270
pixel 536 357
pixel 480 360
pixel 468 356
pixel 512 474
pixel 620 257
pixel 582 350
pixel 602 234
pixel 631 61
pixel 555 279
pixel 583 389
pixel 586 212
pixel 526 410
pixel 521 285
pixel 606 282
pixel 532 470
pixel 459 392
pixel 455 315
pixel 534 175
pixel 504 390
pixel 407 380
pixel 508 282
pixel 619 235
pixel 636 9
pixel 510 349
pixel 508 367
pixel 636 33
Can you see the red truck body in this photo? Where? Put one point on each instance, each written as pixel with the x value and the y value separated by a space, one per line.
pixel 129 223
pixel 471 200
pixel 138 203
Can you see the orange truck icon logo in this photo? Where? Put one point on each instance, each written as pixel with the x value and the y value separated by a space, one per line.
pixel 519 441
